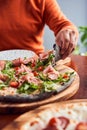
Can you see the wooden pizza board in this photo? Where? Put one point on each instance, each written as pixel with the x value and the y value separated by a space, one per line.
pixel 7 108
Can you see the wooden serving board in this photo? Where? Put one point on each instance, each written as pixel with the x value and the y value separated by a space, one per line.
pixel 7 108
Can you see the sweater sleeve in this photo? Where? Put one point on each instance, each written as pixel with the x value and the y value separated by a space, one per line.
pixel 55 18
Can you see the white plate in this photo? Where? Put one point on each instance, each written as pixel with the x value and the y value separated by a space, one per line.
pixel 13 54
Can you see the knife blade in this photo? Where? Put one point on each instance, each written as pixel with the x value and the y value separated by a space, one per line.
pixel 56 52
pixel 57 55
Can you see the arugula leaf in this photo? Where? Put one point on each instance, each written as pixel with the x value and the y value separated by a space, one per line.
pixel 39 63
pixel 48 86
pixel 2 85
pixel 27 88
pixel 45 62
pixel 61 78
pixel 8 65
pixel 8 70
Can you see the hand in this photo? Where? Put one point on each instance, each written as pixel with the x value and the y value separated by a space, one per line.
pixel 67 41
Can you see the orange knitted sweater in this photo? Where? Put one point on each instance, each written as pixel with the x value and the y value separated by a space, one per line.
pixel 22 23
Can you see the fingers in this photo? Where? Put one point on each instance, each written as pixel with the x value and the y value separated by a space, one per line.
pixel 66 40
pixel 73 38
pixel 68 51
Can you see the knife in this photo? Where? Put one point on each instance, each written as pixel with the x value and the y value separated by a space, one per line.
pixel 56 52
pixel 58 58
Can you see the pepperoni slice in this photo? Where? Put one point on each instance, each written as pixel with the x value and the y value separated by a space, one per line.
pixel 57 122
pixel 81 126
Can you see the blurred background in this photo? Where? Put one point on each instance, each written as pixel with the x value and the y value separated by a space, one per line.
pixel 75 10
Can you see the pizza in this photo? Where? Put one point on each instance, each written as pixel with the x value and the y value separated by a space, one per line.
pixel 32 79
pixel 68 115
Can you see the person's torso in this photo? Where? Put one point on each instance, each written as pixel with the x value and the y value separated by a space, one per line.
pixel 21 25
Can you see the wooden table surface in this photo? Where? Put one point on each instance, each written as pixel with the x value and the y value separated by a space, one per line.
pixel 79 63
